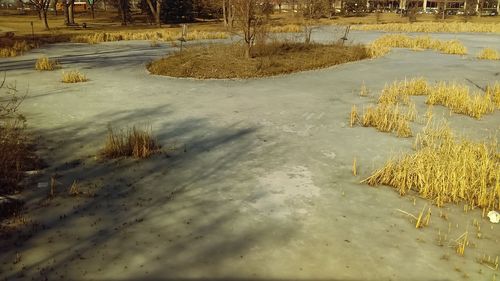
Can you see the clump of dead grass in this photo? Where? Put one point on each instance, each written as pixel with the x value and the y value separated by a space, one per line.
pixel 493 91
pixel 73 76
pixel 383 44
pixel 133 142
pixel 288 28
pixel 445 169
pixel 449 27
pixel 45 64
pixel 400 91
pixel 154 43
pixel 488 54
pixel 458 97
pixel 387 118
pixel 16 48
pixel 160 35
pixel 273 58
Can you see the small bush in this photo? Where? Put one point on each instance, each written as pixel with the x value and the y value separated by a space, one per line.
pixel 446 169
pixel 488 54
pixel 15 152
pixel 44 63
pixel 73 76
pixel 134 142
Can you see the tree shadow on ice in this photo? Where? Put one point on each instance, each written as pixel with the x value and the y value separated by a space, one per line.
pixel 171 206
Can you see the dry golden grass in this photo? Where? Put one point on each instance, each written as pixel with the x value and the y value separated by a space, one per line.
pixel 134 142
pixel 420 221
pixel 229 61
pixel 490 262
pixel 493 91
pixel 154 44
pixel 354 118
pixel 44 63
pixel 383 44
pixel 445 169
pixel 158 35
pixel 287 28
pixel 400 91
pixel 462 241
pixel 387 118
pixel 15 49
pixel 459 99
pixel 363 92
pixel 73 76
pixel 449 27
pixel 488 54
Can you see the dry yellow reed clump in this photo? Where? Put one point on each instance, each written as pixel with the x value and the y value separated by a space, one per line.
pixel 44 63
pixel 450 27
pixel 363 92
pixel 163 35
pixel 399 91
pixel 154 44
pixel 459 99
pixel 445 169
pixel 419 42
pixel 73 76
pixel 493 91
pixel 354 118
pixel 488 54
pixel 376 50
pixel 18 48
pixel 288 28
pixel 387 118
pixel 134 142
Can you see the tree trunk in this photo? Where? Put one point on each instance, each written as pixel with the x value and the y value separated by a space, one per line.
pixel 248 51
pixel 92 11
pixel 71 13
pixel 66 14
pixel 444 10
pixel 123 12
pixel 44 16
pixel 230 14
pixel 55 7
pixel 224 13
pixel 158 11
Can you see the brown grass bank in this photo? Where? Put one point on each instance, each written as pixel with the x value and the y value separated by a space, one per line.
pixel 229 61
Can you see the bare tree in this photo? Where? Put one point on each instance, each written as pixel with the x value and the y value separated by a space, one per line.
pixel 68 9
pixel 155 10
pixel 228 13
pixel 92 7
pixel 54 6
pixel 42 6
pixel 251 16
